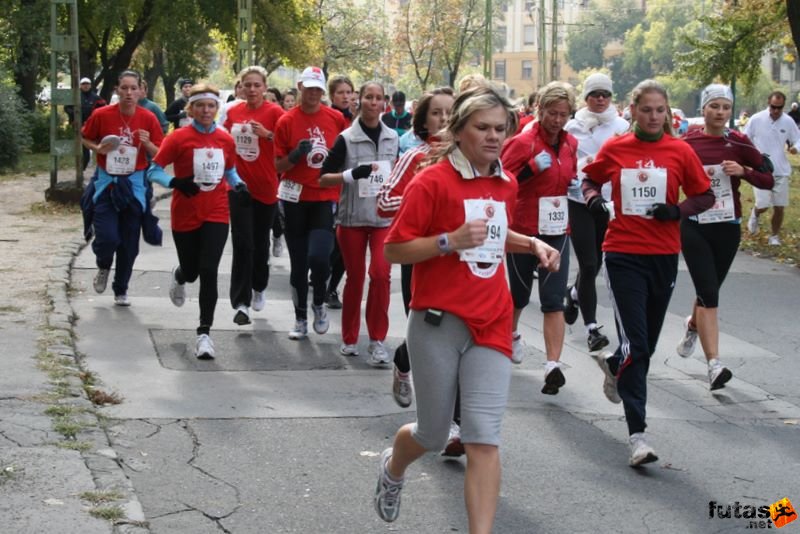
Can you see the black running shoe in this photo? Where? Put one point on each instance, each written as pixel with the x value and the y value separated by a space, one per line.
pixel 553 381
pixel 596 340
pixel 333 300
pixel 570 308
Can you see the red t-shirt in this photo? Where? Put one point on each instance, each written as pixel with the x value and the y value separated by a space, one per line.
pixel 256 166
pixel 524 121
pixel 633 234
pixel 108 120
pixel 321 128
pixel 434 203
pixel 189 213
pixel 554 181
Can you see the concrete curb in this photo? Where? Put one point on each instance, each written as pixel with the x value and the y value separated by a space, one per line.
pixel 101 459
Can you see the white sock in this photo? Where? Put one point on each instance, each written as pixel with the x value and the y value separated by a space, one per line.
pixel 573 293
pixel 713 362
pixel 550 365
pixel 590 326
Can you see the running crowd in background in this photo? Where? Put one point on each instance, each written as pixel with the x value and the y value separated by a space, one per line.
pixel 476 200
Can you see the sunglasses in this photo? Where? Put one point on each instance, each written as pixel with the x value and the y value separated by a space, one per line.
pixel 600 94
pixel 776 107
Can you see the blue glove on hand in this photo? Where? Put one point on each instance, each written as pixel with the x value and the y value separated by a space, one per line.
pixel 543 161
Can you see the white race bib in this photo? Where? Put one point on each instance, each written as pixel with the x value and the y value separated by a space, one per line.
pixel 641 188
pixel 289 191
pixel 246 141
pixel 369 186
pixel 553 215
pixel 492 251
pixel 208 165
pixel 122 160
pixel 722 210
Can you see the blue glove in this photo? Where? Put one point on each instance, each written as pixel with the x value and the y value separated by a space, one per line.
pixel 543 161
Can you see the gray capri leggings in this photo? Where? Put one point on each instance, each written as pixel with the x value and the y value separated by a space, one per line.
pixel 444 357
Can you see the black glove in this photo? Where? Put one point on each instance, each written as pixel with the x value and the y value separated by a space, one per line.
pixel 665 212
pixel 597 205
pixel 302 148
pixel 185 185
pixel 243 194
pixel 362 171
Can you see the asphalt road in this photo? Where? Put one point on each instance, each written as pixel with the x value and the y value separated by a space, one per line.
pixel 281 437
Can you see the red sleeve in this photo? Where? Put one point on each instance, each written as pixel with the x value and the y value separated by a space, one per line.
pixel 515 154
pixel 90 130
pixel 168 150
pixel 695 180
pixel 391 194
pixel 414 217
pixel 283 136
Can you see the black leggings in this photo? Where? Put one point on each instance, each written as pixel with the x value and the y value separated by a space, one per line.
pixel 250 227
pixel 709 250
pixel 587 232
pixel 309 238
pixel 551 285
pixel 199 254
pixel 337 267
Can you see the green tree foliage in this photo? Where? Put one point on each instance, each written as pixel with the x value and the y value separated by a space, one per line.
pixel 25 26
pixel 15 133
pixel 605 21
pixel 437 38
pixel 353 36
pixel 736 38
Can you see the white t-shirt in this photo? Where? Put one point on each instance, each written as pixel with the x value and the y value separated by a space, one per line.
pixel 771 136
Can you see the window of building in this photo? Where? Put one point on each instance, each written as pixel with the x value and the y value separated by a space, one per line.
pixel 529 5
pixel 500 70
pixel 527 69
pixel 529 34
pixel 500 36
pixel 776 69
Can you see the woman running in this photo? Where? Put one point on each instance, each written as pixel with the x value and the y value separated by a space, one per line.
pixel 544 161
pixel 647 169
pixel 123 136
pixel 453 224
pixel 361 159
pixel 431 117
pixel 711 239
pixel 252 124
pixel 202 155
pixel 592 126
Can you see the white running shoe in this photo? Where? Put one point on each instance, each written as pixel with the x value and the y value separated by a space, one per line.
pixel 204 349
pixel 259 300
pixel 277 246
pixel 454 448
pixel 687 345
pixel 177 291
pixel 387 493
pixel 242 315
pixel 321 322
pixel 378 355
pixel 774 241
pixel 122 300
pixel 349 350
pixel 752 222
pixel 610 380
pixel 517 352
pixel 641 452
pixel 300 330
pixel 101 280
pixel 718 375
pixel 402 389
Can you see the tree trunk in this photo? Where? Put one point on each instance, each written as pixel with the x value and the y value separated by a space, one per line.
pixel 793 13
pixel 26 70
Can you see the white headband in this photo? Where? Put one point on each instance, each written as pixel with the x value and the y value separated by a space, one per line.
pixel 714 91
pixel 203 96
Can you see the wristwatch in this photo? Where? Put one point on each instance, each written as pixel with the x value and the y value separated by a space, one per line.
pixel 443 243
